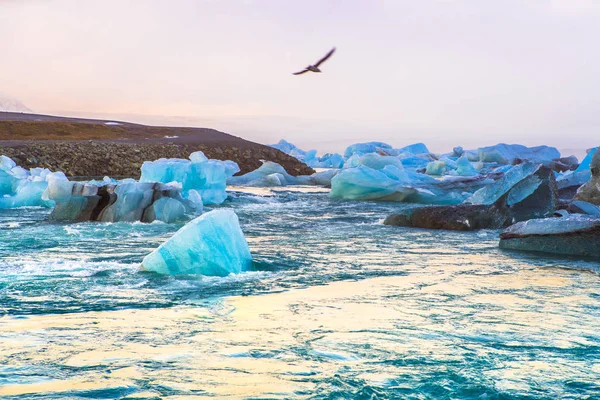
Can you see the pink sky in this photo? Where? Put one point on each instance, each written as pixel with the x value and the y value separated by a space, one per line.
pixel 442 72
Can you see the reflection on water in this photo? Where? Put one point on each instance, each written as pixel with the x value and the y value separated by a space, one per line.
pixel 339 306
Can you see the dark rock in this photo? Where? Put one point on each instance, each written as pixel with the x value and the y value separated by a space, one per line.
pixel 574 235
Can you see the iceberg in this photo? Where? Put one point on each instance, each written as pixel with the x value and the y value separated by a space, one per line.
pixel 490 194
pixel 257 177
pixel 510 153
pixel 397 184
pixel 364 183
pixel 436 168
pixel 22 188
pixel 465 168
pixel 329 161
pixel 310 157
pixel 587 161
pixel 212 244
pixel 125 201
pixel 207 177
pixel 369 147
pixel 416 148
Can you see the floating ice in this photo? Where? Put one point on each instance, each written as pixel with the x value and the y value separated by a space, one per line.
pixel 435 168
pixel 490 194
pixel 255 177
pixel 465 168
pixel 587 160
pixel 369 147
pixel 364 183
pixel 20 187
pixel 310 157
pixel 508 153
pixel 207 177
pixel 212 244
pixel 395 184
pixel 417 148
pixel 125 201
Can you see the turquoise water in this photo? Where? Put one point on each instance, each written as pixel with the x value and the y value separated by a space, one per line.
pixel 337 306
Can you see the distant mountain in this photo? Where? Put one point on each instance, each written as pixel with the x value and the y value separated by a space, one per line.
pixel 12 105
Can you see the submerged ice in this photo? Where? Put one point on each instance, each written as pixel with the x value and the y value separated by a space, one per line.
pixel 212 244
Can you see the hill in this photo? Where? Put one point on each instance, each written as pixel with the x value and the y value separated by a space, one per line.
pixel 87 147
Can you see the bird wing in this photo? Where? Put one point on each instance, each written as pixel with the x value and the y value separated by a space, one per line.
pixel 322 60
pixel 301 72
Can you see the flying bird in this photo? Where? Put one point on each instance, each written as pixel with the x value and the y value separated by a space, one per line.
pixel 315 68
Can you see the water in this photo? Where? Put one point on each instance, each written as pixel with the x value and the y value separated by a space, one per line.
pixel 337 306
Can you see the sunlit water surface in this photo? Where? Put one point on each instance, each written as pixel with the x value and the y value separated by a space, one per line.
pixel 337 306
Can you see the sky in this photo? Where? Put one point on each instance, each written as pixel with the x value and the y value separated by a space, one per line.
pixel 442 72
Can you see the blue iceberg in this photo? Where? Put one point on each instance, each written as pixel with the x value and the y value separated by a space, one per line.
pixel 509 153
pixel 465 168
pixel 212 244
pixel 207 177
pixel 491 193
pixel 23 188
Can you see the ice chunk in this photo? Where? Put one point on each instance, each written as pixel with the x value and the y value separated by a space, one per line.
pixel 270 180
pixel 583 207
pixel 198 157
pixel 508 153
pixel 212 244
pixel 363 183
pixel 465 168
pixel 369 147
pixel 20 187
pixel 378 162
pixel 125 201
pixel 286 147
pixel 435 168
pixel 490 194
pixel 267 168
pixel 207 177
pixel 329 161
pixel 416 148
pixel 165 209
pixel 587 160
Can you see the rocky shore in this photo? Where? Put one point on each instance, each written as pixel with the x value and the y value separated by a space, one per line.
pixel 114 159
pixel 93 148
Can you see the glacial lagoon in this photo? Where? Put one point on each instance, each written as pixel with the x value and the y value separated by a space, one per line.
pixel 336 305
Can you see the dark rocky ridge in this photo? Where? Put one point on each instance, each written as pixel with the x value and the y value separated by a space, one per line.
pixel 91 148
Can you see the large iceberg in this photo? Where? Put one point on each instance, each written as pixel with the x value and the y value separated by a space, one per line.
pixel 125 201
pixel 207 177
pixel 212 244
